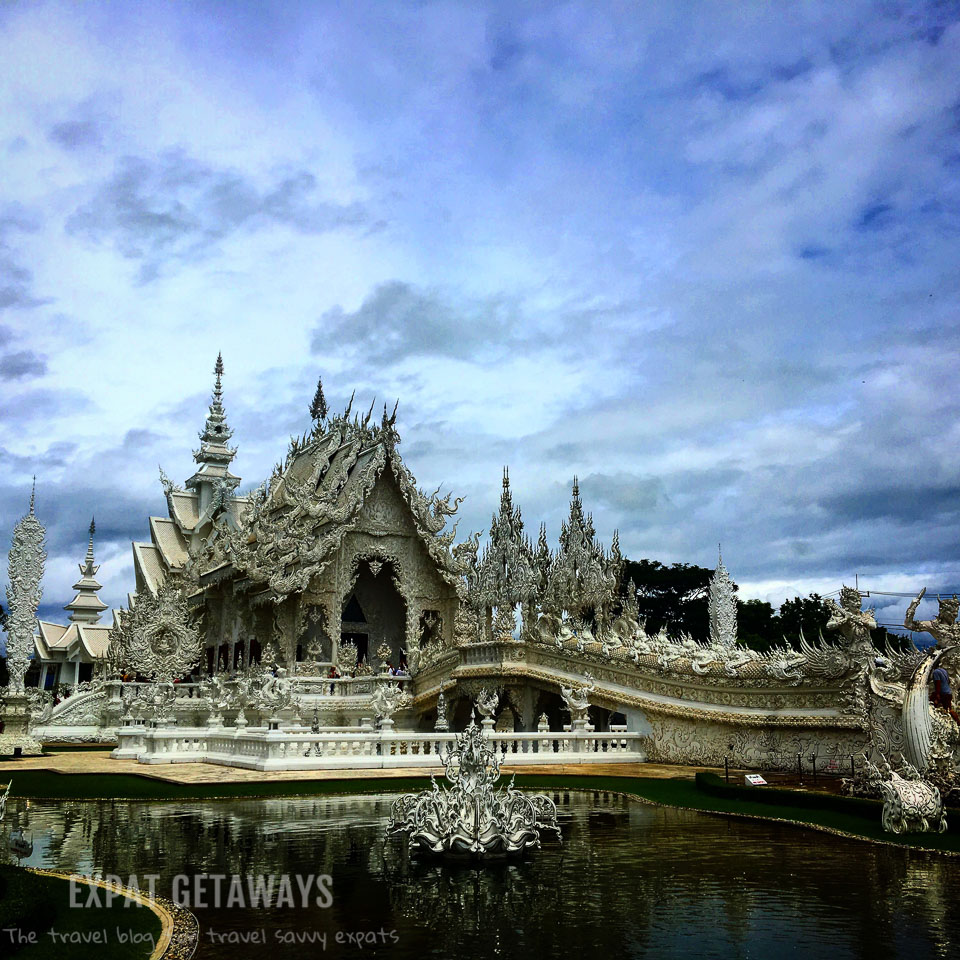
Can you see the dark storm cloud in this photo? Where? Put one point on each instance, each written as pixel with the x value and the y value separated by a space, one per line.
pixel 16 285
pixel 399 320
pixel 40 403
pixel 175 208
pixel 22 365
pixel 76 134
pixel 16 280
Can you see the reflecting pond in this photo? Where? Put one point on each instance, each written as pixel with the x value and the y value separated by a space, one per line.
pixel 628 880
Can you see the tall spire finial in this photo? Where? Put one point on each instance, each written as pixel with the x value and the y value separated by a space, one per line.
pixel 319 409
pixel 215 454
pixel 722 606
pixel 87 606
pixel 33 494
pixel 93 530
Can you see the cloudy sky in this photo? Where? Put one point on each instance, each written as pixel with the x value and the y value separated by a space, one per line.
pixel 703 256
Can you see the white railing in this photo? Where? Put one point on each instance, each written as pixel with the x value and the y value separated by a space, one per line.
pixel 295 748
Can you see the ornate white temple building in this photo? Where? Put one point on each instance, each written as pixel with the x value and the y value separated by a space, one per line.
pixel 337 588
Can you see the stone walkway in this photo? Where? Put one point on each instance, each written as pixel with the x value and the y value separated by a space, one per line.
pixel 96 761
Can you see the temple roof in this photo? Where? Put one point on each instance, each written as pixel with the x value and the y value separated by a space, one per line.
pixel 148 566
pixel 166 536
pixel 76 638
pixel 291 529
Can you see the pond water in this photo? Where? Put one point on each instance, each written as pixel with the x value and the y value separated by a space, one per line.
pixel 628 880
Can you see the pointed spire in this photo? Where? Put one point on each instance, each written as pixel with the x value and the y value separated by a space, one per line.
pixel 318 408
pixel 218 371
pixel 93 530
pixel 722 605
pixel 86 606
pixel 214 455
pixel 33 495
pixel 216 431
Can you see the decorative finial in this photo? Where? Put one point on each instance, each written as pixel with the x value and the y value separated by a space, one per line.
pixel 319 409
pixel 506 478
pixel 576 486
pixel 33 494
pixel 218 383
pixel 93 530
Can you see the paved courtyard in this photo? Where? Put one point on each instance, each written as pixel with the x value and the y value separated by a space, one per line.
pixel 99 761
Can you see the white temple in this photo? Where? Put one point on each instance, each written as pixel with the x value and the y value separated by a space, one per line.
pixel 337 590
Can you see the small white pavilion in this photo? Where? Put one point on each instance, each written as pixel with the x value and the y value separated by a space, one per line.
pixel 68 653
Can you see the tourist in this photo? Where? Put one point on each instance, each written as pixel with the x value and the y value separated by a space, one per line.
pixel 942 692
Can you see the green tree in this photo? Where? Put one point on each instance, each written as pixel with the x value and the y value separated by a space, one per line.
pixel 672 596
pixel 757 624
pixel 806 614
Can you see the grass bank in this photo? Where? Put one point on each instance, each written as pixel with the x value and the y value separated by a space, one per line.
pixel 50 785
pixel 857 818
pixel 854 817
pixel 38 908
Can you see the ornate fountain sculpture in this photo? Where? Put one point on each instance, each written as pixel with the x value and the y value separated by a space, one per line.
pixel 470 818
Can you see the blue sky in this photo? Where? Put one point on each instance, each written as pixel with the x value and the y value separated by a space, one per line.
pixel 703 256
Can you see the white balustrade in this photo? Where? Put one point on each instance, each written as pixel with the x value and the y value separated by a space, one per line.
pixel 294 748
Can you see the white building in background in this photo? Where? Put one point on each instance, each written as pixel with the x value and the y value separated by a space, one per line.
pixel 69 653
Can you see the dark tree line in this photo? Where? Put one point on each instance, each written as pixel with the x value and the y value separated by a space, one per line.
pixel 675 597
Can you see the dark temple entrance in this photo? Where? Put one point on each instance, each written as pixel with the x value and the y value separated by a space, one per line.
pixel 375 613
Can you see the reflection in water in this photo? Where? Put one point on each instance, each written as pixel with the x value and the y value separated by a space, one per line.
pixel 627 881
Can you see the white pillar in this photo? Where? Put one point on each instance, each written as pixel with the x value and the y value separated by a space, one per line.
pixel 76 672
pixel 43 677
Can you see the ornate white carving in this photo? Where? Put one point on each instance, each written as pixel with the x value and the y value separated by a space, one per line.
pixel 25 571
pixel 471 818
pixel 157 637
pixel 577 697
pixel 441 726
pixel 722 607
pixel 387 699
pixel 487 703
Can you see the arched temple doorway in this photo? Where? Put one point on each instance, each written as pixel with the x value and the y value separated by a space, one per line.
pixel 374 613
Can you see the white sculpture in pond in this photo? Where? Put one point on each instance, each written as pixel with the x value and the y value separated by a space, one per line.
pixel 471 818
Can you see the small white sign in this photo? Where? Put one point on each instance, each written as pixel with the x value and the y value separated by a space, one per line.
pixel 755 780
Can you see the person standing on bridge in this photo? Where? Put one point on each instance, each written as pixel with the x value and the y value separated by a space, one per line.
pixel 943 693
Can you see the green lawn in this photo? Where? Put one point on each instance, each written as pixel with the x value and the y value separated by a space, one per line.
pixel 857 817
pixel 36 907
